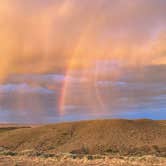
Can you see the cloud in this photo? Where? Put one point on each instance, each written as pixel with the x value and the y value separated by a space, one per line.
pixel 48 35
pixel 23 88
pixel 111 83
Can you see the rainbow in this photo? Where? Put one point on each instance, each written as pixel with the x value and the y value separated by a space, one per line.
pixel 97 100
pixel 76 52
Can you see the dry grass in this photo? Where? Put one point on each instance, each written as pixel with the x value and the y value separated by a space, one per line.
pixel 68 161
pixel 87 143
pixel 124 137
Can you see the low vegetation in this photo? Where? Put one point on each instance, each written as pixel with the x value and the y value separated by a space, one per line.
pixel 65 160
pixel 127 142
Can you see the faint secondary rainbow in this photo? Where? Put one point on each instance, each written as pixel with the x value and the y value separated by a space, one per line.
pixel 97 101
pixel 77 51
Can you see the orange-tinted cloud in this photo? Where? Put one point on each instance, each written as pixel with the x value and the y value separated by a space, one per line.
pixel 46 35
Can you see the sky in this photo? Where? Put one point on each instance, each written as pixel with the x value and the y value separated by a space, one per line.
pixel 46 35
pixel 90 43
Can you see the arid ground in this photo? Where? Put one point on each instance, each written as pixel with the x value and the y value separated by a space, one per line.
pixel 98 142
pixel 85 161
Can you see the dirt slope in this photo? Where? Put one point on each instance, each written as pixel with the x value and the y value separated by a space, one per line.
pixel 95 137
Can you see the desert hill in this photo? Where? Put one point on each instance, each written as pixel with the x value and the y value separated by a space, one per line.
pixel 126 137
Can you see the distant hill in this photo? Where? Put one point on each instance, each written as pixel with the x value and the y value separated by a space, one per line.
pixel 126 137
